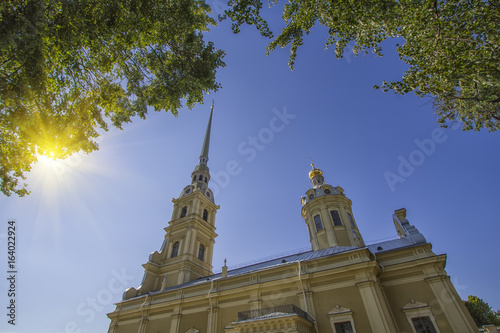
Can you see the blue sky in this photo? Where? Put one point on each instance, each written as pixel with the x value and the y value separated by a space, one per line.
pixel 91 221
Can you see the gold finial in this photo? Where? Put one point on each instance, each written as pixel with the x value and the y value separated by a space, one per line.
pixel 213 102
pixel 314 171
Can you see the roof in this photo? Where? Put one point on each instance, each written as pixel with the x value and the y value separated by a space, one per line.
pixel 375 248
pixel 390 245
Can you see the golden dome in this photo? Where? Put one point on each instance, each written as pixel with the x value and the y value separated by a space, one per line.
pixel 315 172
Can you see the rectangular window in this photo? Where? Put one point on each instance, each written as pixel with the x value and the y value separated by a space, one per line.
pixel 423 325
pixel 344 327
pixel 317 222
pixel 351 220
pixel 336 218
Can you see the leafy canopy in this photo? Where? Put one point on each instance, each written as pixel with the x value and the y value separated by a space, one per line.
pixel 66 67
pixel 481 312
pixel 452 47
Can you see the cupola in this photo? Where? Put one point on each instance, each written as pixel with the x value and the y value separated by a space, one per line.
pixel 328 215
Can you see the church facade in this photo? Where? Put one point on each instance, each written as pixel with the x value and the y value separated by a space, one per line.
pixel 342 285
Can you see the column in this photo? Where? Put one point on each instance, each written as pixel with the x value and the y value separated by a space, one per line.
pixel 196 206
pixel 376 308
pixel 210 251
pixel 448 301
pixel 255 302
pixel 175 323
pixel 188 241
pixel 113 326
pixel 213 315
pixel 307 304
pixel 143 327
pixel 164 246
pixel 312 233
pixel 330 235
pixel 194 244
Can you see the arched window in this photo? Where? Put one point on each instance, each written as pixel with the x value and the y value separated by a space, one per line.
pixel 201 252
pixel 206 180
pixel 205 215
pixel 175 250
pixel 183 211
pixel 200 178
pixel 194 178
pixel 336 218
pixel 317 222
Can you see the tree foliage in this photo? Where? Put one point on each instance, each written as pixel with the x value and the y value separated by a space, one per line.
pixel 481 312
pixel 67 68
pixel 452 47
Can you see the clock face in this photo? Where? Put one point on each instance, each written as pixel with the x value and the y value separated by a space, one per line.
pixel 327 191
pixel 311 196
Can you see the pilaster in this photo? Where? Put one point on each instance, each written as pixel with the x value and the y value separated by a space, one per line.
pixel 449 300
pixel 210 251
pixel 376 308
pixel 330 233
pixel 113 326
pixel 189 241
pixel 255 302
pixel 306 302
pixel 213 316
pixel 175 323
pixel 194 242
pixel 143 326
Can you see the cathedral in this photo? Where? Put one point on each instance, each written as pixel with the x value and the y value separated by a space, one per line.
pixel 342 285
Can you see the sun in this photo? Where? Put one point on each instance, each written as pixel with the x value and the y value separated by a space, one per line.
pixel 52 169
pixel 49 161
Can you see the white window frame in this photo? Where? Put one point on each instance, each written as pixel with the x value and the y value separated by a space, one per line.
pixel 415 309
pixel 340 314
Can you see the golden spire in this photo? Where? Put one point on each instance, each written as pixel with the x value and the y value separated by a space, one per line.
pixel 206 141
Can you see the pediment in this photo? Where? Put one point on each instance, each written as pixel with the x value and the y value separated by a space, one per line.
pixel 339 310
pixel 415 305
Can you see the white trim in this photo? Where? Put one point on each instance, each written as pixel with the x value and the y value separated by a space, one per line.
pixel 340 314
pixel 415 309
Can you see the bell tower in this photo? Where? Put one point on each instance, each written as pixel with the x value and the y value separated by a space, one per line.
pixel 187 250
pixel 328 215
